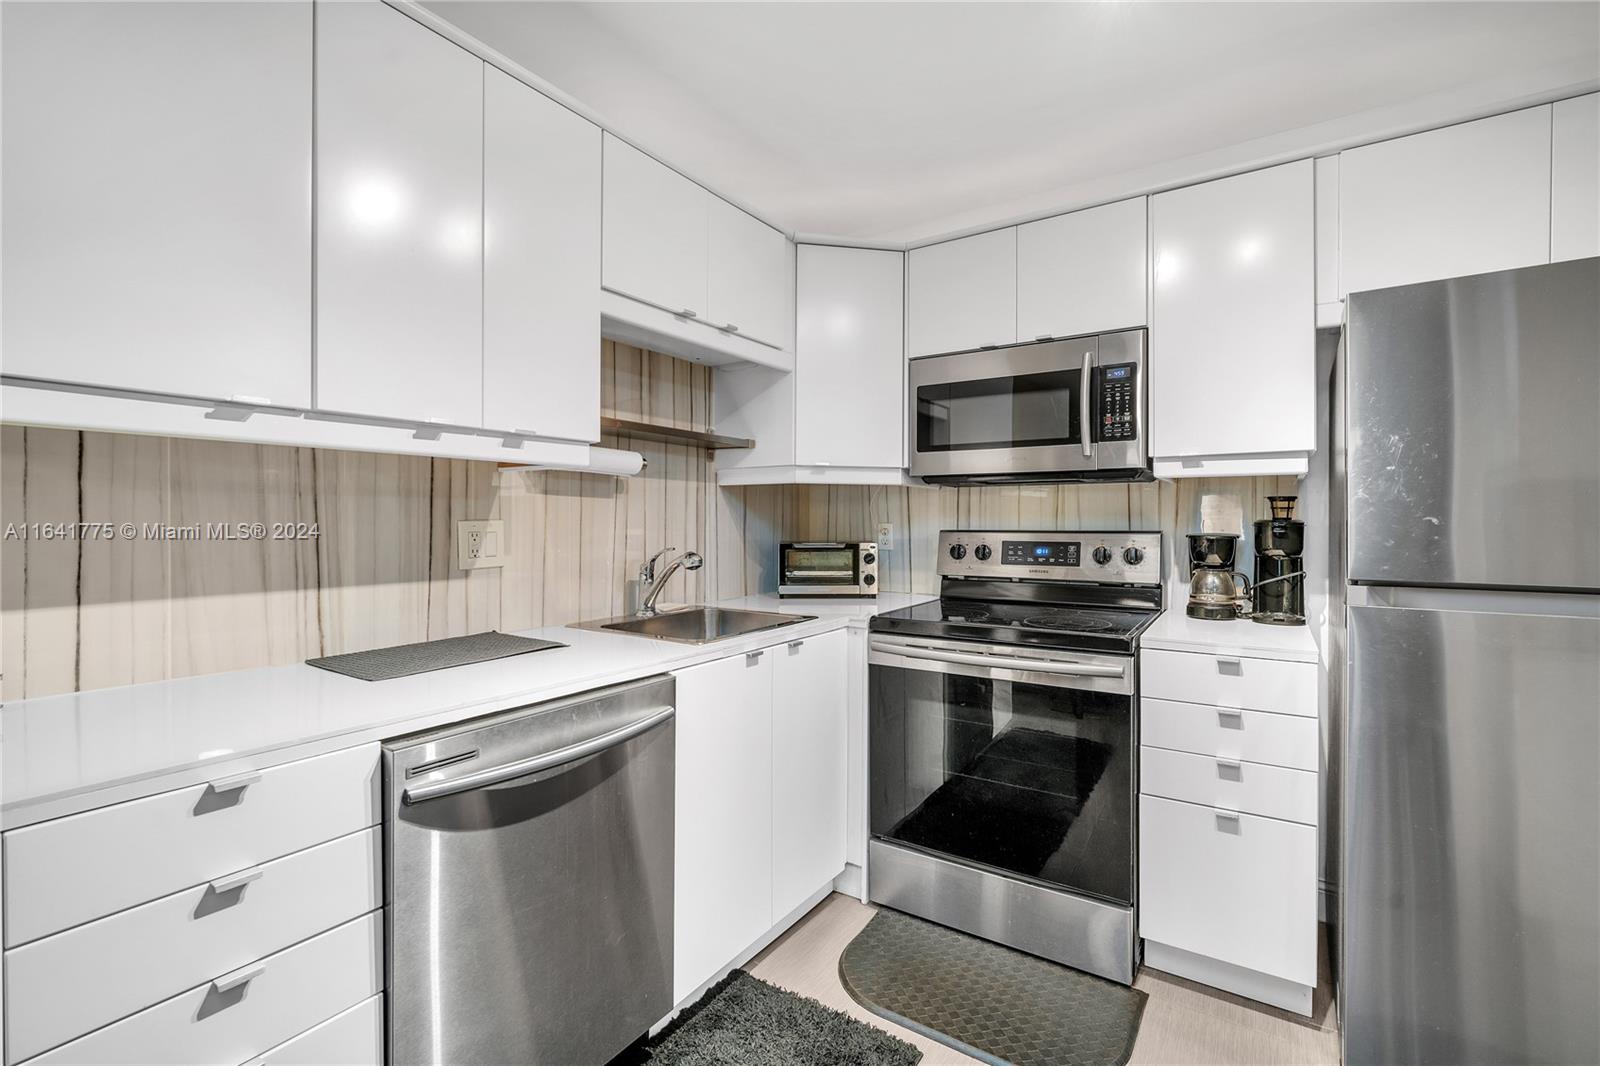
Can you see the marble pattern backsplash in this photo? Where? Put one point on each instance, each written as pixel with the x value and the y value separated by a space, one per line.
pixel 79 614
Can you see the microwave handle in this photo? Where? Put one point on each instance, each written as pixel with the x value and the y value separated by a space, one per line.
pixel 1084 413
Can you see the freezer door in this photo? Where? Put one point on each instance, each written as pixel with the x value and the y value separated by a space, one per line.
pixel 1473 444
pixel 1471 828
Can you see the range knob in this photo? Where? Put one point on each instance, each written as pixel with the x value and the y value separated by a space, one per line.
pixel 1102 555
pixel 958 551
pixel 1132 556
pixel 983 551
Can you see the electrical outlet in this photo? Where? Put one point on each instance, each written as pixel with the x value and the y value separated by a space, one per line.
pixel 885 536
pixel 480 544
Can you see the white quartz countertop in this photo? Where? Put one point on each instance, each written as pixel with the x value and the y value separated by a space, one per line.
pixel 1176 631
pixel 61 755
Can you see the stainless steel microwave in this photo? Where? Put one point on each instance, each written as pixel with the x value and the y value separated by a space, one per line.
pixel 1058 410
pixel 827 568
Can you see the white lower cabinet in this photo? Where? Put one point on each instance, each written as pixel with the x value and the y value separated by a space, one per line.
pixel 238 1015
pixel 351 1038
pixel 1229 787
pixel 810 714
pixel 761 750
pixel 722 888
pixel 1237 888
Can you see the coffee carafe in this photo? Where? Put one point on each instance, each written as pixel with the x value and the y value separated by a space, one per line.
pixel 1278 597
pixel 1216 590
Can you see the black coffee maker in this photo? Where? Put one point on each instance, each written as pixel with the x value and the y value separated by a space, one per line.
pixel 1278 595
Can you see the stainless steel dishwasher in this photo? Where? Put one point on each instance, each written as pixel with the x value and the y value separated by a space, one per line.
pixel 529 865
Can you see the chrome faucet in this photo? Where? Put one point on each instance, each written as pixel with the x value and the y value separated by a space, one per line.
pixel 655 583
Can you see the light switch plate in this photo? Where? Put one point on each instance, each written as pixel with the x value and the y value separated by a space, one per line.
pixel 480 544
pixel 885 536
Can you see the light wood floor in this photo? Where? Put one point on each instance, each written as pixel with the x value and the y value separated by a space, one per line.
pixel 1184 1023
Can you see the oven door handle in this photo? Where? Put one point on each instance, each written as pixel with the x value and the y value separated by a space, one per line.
pixel 1002 662
pixel 1085 412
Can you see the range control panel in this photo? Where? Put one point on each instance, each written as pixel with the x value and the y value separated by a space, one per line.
pixel 1117 558
pixel 1117 401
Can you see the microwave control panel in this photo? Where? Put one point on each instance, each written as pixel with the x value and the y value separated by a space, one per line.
pixel 1117 396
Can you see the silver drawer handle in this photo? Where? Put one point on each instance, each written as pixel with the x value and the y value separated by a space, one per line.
pixel 1227 818
pixel 753 657
pixel 686 313
pixel 1230 769
pixel 1229 665
pixel 236 782
pixel 1223 714
pixel 236 880
pixel 796 645
pixel 731 328
pixel 241 976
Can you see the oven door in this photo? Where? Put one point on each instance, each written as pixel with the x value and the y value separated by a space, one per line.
pixel 819 568
pixel 1011 411
pixel 1019 761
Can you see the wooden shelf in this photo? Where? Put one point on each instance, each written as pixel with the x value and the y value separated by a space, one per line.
pixel 650 431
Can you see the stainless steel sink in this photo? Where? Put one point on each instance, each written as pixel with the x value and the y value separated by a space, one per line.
pixel 696 625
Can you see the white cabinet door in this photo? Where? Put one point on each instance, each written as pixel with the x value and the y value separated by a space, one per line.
pixel 749 276
pixel 1232 327
pixel 722 888
pixel 1464 199
pixel 963 293
pixel 1229 886
pixel 1082 273
pixel 157 213
pixel 541 264
pixel 1575 178
pixel 399 218
pixel 810 712
pixel 656 229
pixel 849 357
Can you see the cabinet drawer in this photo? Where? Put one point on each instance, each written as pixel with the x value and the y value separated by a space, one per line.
pixel 1231 887
pixel 1254 736
pixel 294 990
pixel 72 870
pixel 1229 681
pixel 353 1038
pixel 69 984
pixel 1272 791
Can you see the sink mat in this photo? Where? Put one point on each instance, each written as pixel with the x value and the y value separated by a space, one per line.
pixel 402 660
pixel 988 1001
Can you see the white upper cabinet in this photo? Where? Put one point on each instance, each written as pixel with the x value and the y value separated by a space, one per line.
pixel 748 282
pixel 399 219
pixel 656 226
pixel 541 264
pixel 1082 273
pixel 1465 199
pixel 849 385
pixel 1575 178
pixel 157 212
pixel 963 293
pixel 1232 361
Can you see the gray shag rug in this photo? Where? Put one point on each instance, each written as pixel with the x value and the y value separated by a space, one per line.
pixel 743 1021
pixel 988 1001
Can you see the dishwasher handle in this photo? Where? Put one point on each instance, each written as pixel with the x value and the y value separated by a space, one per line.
pixel 494 775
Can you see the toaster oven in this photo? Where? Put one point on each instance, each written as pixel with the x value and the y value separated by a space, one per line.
pixel 827 568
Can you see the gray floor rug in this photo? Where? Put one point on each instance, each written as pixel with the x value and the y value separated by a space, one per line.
pixel 993 1003
pixel 743 1021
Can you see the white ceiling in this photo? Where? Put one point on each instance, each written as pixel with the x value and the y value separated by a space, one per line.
pixel 901 121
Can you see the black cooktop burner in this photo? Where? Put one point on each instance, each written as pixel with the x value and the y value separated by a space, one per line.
pixel 1091 628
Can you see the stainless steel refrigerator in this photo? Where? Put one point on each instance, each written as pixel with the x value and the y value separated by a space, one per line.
pixel 1470 682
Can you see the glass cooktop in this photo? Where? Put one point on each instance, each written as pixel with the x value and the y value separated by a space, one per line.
pixel 1040 624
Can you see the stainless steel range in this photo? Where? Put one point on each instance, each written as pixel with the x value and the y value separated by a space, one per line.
pixel 1003 743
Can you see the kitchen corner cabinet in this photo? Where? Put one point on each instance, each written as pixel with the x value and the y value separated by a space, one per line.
pixel 541 259
pixel 157 210
pixel 399 219
pixel 962 294
pixel 1084 272
pixel 1575 178
pixel 1465 199
pixel 760 797
pixel 1232 327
